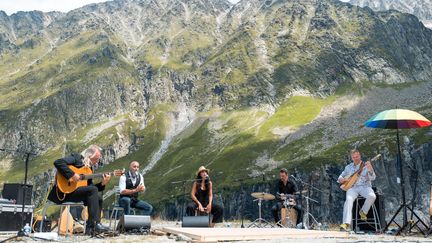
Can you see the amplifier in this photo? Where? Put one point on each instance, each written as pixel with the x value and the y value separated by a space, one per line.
pixel 10 215
pixel 14 191
pixel 134 222
pixel 196 221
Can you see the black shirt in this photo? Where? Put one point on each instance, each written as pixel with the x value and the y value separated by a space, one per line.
pixel 62 167
pixel 202 195
pixel 289 188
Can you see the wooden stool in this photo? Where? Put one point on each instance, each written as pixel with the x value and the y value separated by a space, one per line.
pixel 63 206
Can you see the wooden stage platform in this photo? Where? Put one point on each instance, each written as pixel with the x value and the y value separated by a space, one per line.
pixel 233 234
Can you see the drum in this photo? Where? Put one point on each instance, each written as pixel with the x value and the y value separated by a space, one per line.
pixel 291 202
pixel 289 217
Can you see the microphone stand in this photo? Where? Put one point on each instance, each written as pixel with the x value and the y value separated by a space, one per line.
pixel 243 202
pixel 307 200
pixel 183 183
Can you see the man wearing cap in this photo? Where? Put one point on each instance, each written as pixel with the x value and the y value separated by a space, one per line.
pixel 130 184
pixel 287 187
pixel 202 196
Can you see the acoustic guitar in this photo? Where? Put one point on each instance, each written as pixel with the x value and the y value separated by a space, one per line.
pixel 68 186
pixel 354 177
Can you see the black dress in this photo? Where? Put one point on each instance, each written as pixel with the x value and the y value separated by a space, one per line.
pixel 203 198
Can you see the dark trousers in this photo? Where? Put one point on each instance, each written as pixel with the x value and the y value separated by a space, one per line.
pixel 277 208
pixel 127 203
pixel 88 195
pixel 216 211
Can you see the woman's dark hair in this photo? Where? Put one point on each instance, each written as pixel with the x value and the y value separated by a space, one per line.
pixel 199 180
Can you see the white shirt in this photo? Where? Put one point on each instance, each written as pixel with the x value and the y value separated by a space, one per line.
pixel 365 179
pixel 122 181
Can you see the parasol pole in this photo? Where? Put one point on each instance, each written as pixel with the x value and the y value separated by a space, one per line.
pixel 401 179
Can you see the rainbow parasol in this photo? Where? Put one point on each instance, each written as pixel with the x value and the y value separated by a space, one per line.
pixel 398 119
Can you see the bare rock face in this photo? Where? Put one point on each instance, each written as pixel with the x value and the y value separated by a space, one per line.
pixel 136 54
pixel 420 8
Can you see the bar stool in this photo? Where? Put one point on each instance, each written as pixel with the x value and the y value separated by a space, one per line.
pixel 116 209
pixel 374 221
pixel 63 205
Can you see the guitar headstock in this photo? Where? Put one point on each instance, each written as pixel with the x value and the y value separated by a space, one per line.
pixel 376 157
pixel 119 172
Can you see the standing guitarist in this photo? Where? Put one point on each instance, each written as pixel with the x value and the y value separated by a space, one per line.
pixel 87 194
pixel 362 186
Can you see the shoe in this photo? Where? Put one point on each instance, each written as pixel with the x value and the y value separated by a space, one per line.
pixel 96 229
pixel 363 216
pixel 89 229
pixel 100 228
pixel 344 227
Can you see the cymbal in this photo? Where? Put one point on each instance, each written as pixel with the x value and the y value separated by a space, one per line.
pixel 262 195
pixel 302 192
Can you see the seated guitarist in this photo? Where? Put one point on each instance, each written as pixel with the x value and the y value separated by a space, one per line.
pixel 87 194
pixel 363 186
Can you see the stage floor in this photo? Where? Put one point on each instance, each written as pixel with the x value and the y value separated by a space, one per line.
pixel 235 234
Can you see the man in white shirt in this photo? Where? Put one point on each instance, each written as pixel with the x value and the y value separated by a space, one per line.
pixel 362 187
pixel 130 184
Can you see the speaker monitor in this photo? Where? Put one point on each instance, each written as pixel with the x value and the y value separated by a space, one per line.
pixel 135 222
pixel 196 221
pixel 14 191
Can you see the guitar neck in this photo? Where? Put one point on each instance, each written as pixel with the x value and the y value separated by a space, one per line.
pixel 362 166
pixel 98 175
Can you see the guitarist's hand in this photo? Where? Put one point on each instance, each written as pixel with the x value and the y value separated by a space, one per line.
pixel 369 166
pixel 140 188
pixel 105 179
pixel 75 178
pixel 342 180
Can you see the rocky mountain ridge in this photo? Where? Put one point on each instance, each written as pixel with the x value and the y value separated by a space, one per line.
pixel 420 8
